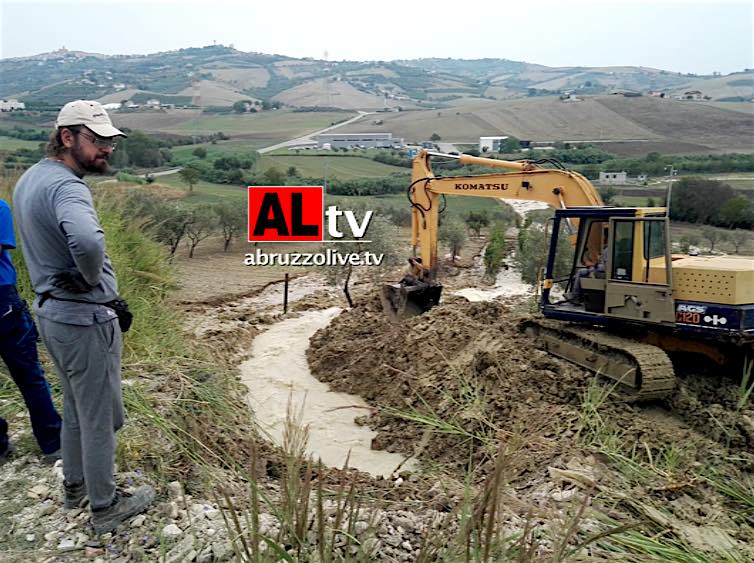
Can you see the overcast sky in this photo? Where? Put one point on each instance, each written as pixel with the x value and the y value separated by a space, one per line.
pixel 686 36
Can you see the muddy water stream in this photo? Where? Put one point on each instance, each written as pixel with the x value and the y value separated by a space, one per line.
pixel 298 288
pixel 507 282
pixel 278 370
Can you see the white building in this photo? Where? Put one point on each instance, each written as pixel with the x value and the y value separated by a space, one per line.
pixel 10 105
pixel 613 178
pixel 358 140
pixel 693 95
pixel 153 103
pixel 113 105
pixel 491 144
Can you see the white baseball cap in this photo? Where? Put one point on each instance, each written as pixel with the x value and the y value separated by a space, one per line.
pixel 89 113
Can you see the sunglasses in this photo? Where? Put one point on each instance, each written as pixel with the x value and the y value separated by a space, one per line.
pixel 99 142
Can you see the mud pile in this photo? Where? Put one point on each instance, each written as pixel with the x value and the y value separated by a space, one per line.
pixel 463 368
pixel 460 381
pixel 465 371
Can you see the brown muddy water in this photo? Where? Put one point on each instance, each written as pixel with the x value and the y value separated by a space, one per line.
pixel 277 372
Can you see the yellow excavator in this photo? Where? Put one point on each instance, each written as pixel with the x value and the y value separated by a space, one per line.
pixel 623 299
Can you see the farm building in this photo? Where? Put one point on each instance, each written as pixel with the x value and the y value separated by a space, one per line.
pixel 490 144
pixel 10 105
pixel 613 178
pixel 358 140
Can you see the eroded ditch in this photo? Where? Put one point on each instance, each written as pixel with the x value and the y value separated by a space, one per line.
pixel 278 376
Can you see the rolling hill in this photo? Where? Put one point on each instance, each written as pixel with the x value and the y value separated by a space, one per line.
pixel 460 100
pixel 223 75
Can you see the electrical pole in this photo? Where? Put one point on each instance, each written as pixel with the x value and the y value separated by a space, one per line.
pixel 672 172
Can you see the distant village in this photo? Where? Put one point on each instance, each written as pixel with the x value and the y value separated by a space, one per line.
pixel 691 95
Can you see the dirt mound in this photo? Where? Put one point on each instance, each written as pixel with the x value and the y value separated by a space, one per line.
pixel 462 369
pixel 460 381
pixel 466 373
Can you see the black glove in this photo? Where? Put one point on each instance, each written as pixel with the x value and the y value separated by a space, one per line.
pixel 71 281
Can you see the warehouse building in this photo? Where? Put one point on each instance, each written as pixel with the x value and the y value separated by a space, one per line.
pixel 491 144
pixel 358 141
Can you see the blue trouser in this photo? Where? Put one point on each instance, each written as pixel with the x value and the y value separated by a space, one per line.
pixel 18 348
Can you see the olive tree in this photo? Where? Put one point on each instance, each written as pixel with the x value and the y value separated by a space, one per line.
pixel 231 220
pixel 453 235
pixel 203 224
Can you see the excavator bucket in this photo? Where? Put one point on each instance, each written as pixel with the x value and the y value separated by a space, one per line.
pixel 403 301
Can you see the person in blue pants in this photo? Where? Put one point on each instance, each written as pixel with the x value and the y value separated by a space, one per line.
pixel 18 349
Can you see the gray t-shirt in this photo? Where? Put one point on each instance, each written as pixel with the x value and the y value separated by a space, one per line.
pixel 60 231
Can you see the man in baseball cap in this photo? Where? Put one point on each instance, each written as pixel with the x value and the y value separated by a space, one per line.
pixel 89 113
pixel 83 138
pixel 75 283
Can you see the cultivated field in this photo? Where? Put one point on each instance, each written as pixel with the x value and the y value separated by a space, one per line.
pixel 261 129
pixel 205 192
pixel 238 147
pixel 637 125
pixel 739 84
pixel 344 168
pixel 545 119
pixel 328 93
pixel 714 128
pixel 11 144
pixel 624 126
pixel 215 93
pixel 242 78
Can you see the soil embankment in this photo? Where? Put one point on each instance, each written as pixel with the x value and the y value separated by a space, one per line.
pixel 452 385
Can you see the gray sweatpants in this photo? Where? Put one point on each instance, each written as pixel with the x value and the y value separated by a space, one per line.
pixel 87 359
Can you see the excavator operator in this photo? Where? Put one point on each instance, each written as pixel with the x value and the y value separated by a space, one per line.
pixel 594 267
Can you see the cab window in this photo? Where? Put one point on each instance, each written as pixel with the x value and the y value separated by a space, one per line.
pixel 654 239
pixel 623 243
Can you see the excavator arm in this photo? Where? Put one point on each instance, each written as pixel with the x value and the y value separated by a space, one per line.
pixel 419 291
pixel 526 181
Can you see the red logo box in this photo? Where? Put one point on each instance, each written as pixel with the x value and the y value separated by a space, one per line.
pixel 286 213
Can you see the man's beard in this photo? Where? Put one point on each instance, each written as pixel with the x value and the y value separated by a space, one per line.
pixel 97 165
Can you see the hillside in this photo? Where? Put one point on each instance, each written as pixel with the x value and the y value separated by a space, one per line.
pixel 622 125
pixel 222 75
pixel 460 100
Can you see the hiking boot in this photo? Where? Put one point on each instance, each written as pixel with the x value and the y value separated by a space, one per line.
pixel 51 458
pixel 6 455
pixel 124 506
pixel 75 495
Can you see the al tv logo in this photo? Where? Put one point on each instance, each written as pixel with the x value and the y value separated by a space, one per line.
pixel 295 214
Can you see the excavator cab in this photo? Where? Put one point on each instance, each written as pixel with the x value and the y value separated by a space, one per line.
pixel 620 266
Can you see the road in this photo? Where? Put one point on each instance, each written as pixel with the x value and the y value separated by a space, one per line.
pixel 446 148
pixel 308 137
pixel 165 172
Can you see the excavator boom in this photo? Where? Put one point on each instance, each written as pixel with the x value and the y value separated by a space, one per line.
pixel 525 180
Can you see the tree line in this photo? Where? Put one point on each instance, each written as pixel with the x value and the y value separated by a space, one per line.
pixel 711 202
pixel 174 222
pixel 24 133
pixel 590 160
